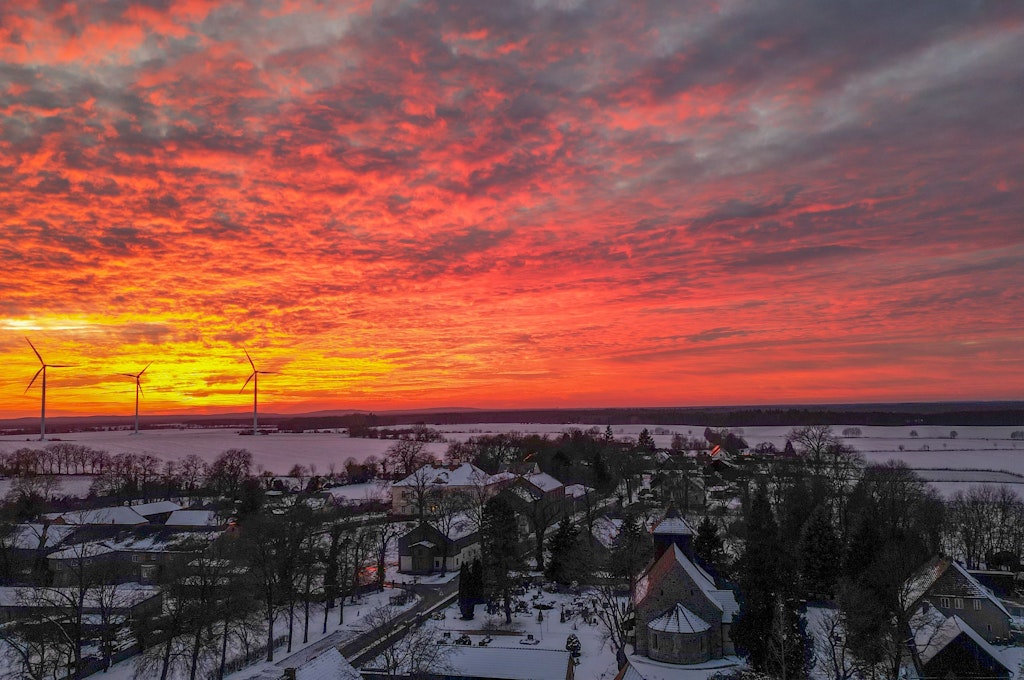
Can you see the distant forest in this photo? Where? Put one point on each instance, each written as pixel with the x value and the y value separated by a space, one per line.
pixel 963 414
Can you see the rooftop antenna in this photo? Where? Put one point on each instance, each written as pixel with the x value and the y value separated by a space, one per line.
pixel 138 391
pixel 255 378
pixel 42 369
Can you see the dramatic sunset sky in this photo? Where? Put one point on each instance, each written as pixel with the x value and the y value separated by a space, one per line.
pixel 408 204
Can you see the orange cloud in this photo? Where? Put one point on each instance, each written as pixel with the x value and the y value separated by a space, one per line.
pixel 416 205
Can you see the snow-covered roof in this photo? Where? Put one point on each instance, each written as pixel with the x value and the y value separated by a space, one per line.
pixel 80 551
pixel 543 481
pixel 425 544
pixel 35 536
pixel 606 530
pixel 118 515
pixel 724 600
pixel 679 619
pixel 193 518
pixel 155 508
pixel 507 663
pixel 933 632
pixel 672 526
pixel 121 595
pixel 577 490
pixel 642 668
pixel 465 474
pixel 505 476
pixel 461 527
pixel 330 665
pixel 921 581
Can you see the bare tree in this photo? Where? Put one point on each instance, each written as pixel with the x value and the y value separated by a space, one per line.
pixel 408 651
pixel 448 509
pixel 832 656
pixel 613 607
pixel 405 456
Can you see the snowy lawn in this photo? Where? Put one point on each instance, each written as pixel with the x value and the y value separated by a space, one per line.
pixel 597 660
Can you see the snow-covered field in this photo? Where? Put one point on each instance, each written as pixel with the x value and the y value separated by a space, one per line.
pixel 974 448
pixel 273 452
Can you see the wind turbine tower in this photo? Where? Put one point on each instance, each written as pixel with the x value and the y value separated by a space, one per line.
pixel 255 378
pixel 43 366
pixel 138 391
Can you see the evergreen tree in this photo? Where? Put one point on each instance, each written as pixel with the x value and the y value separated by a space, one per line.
pixel 760 580
pixel 632 551
pixel 709 548
pixel 563 547
pixel 645 443
pixel 501 555
pixel 466 603
pixel 819 546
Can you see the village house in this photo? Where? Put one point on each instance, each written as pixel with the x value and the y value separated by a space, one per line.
pixel 947 586
pixel 465 478
pixel 425 549
pixel 948 647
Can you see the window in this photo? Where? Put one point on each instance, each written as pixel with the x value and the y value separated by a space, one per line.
pixel 958 603
pixel 654 640
pixel 944 602
pixel 977 605
pixel 135 558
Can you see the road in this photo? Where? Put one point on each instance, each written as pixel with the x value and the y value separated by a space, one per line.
pixel 365 646
pixel 369 644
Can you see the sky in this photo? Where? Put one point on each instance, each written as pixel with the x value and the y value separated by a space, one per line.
pixel 408 204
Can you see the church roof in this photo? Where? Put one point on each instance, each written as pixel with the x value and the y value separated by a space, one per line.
pixel 724 600
pixel 679 619
pixel 672 524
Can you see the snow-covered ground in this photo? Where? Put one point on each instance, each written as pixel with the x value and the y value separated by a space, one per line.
pixel 336 635
pixel 974 448
pixel 597 658
pixel 273 452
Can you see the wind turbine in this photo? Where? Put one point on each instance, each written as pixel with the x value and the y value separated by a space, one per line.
pixel 255 378
pixel 138 391
pixel 43 367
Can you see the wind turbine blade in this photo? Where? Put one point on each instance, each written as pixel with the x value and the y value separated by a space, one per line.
pixel 141 391
pixel 246 356
pixel 247 382
pixel 33 380
pixel 35 350
pixel 127 375
pixel 147 366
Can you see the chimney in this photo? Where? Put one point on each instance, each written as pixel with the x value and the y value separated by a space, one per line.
pixel 289 674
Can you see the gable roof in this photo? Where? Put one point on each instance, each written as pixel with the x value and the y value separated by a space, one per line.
pixel 35 536
pixel 724 600
pixel 543 481
pixel 155 508
pixel 933 632
pixel 507 663
pixel 118 515
pixel 924 578
pixel 465 474
pixel 193 518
